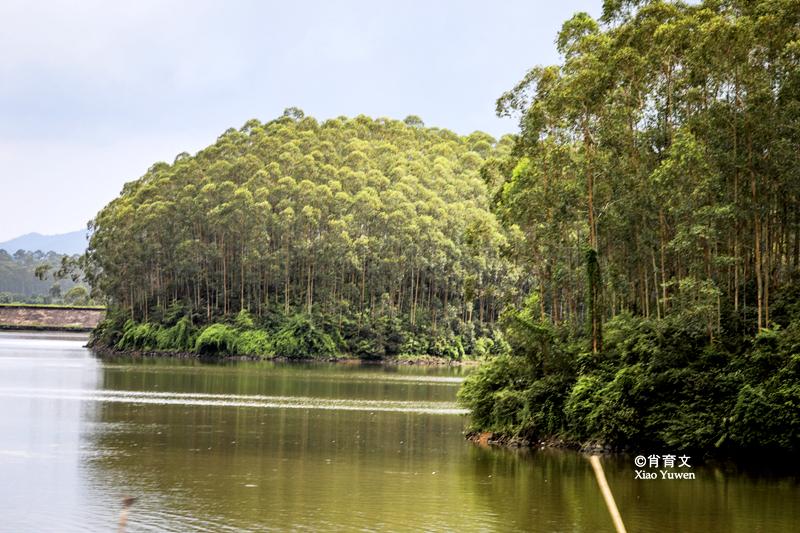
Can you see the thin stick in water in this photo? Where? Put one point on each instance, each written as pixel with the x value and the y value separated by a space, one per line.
pixel 606 490
pixel 123 515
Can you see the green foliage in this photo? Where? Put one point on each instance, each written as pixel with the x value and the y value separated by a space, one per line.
pixel 109 331
pixel 787 303
pixel 480 390
pixel 657 383
pixel 216 339
pixel 664 142
pixel 180 337
pixel 767 416
pixel 508 407
pixel 414 344
pixel 77 295
pixel 365 340
pixel 594 282
pixel 616 417
pixel 393 335
pixel 504 396
pixel 174 313
pixel 483 347
pixel 37 278
pixel 300 338
pixel 244 320
pixel 254 342
pixel 544 410
pixel 136 336
pixel 446 345
pixel 766 413
pixel 378 228
pixel 579 408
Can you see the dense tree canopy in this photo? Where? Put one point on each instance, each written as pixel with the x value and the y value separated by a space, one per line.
pixel 655 183
pixel 351 219
pixel 667 141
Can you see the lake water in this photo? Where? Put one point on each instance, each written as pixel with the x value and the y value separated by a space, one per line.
pixel 287 447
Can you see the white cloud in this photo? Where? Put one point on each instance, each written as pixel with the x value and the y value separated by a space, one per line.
pixel 93 92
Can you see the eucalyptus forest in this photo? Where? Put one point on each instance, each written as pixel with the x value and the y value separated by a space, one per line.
pixel 655 184
pixel 371 237
pixel 626 267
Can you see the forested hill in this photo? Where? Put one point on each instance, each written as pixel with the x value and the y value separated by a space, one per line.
pixel 31 277
pixel 375 230
pixel 655 180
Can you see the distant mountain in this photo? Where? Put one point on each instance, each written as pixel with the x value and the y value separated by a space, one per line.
pixel 73 242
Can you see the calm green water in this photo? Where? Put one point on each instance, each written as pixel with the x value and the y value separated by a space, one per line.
pixel 262 447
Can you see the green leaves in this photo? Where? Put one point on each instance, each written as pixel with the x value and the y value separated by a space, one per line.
pixel 217 340
pixel 290 215
pixel 301 338
pixel 666 138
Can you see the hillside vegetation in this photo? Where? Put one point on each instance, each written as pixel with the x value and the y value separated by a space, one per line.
pixel 360 236
pixel 655 184
pixel 40 278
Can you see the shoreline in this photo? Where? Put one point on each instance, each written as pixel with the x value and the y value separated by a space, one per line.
pixel 741 459
pixel 105 351
pixel 500 440
pixel 44 327
pixel 490 438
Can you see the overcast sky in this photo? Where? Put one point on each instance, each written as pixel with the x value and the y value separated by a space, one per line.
pixel 93 92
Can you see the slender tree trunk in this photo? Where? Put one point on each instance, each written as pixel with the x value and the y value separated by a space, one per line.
pixel 286 286
pixel 655 286
pixel 756 237
pixel 662 238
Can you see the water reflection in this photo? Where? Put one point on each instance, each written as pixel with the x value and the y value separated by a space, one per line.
pixel 41 448
pixel 260 446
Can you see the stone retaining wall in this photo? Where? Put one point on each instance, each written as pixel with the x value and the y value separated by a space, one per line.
pixel 53 317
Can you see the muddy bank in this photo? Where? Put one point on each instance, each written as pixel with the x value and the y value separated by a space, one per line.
pixel 489 438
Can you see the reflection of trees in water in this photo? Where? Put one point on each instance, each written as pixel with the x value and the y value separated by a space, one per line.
pixel 539 490
pixel 559 490
pixel 314 468
pixel 282 466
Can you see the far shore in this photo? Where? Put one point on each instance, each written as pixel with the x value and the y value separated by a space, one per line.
pixel 107 352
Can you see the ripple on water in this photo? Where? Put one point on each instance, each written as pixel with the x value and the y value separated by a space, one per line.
pixel 236 400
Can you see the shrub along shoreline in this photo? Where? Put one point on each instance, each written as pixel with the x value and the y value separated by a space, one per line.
pixel 296 337
pixel 410 360
pixel 658 384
